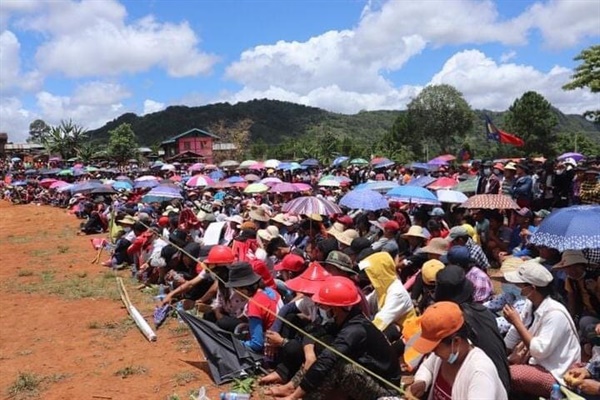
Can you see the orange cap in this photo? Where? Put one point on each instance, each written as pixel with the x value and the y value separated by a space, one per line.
pixel 439 321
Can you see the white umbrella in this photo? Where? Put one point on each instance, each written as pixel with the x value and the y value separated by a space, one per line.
pixel 272 164
pixel 168 167
pixel 451 196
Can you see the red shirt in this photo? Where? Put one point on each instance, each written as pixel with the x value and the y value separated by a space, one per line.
pixel 264 299
pixel 442 390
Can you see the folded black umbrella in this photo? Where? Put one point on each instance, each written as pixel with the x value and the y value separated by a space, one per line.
pixel 227 357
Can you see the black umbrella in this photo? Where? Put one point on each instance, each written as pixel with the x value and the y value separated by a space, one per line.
pixel 103 190
pixel 226 355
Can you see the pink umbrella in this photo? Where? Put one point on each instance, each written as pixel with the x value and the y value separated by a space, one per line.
pixel 303 187
pixel 78 166
pixel 221 185
pixel 445 157
pixel 46 182
pixel 196 167
pixel 210 166
pixel 271 181
pixel 199 180
pixel 258 166
pixel 57 184
pixel 252 178
pixel 284 187
pixel 311 205
pixel 442 183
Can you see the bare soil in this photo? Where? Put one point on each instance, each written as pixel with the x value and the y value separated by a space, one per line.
pixel 62 321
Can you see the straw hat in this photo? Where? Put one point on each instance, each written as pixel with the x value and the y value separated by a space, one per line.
pixel 437 246
pixel 259 214
pixel 415 231
pixel 571 257
pixel 127 220
pixel 347 236
pixel 336 229
pixel 282 219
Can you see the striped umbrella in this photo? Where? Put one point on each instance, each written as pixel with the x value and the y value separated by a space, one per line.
pixel 490 202
pixel 199 181
pixel 413 194
pixel 311 205
pixel 284 187
pixel 162 193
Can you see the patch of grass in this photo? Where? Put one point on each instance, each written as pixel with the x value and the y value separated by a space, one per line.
pixel 27 384
pixel 185 345
pixel 16 239
pixel 55 378
pixel 24 272
pixel 113 329
pixel 173 396
pixel 63 249
pixel 40 253
pixel 179 329
pixel 131 370
pixel 47 276
pixel 82 274
pixel 183 378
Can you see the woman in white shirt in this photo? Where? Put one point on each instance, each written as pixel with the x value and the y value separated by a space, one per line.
pixel 550 346
pixel 455 369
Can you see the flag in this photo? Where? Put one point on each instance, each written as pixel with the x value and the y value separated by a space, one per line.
pixel 495 134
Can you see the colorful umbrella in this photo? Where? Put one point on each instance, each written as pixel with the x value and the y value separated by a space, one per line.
pixel 58 184
pixel 329 183
pixel 574 156
pixel 442 183
pixel 378 186
pixel 303 187
pixel 229 164
pixel 217 175
pixel 310 162
pixel 571 228
pixel 235 179
pixel 284 187
pixel 168 167
pixel 247 164
pixel 199 181
pixel 65 172
pixel 162 193
pixel 86 187
pixel 271 180
pixel 413 194
pixel 145 184
pixel 451 196
pixel 362 199
pixel 490 202
pixel 46 182
pixel 251 178
pixel 339 160
pixel 311 205
pixel 221 185
pixel 379 160
pixel 146 178
pixel 421 181
pixel 210 167
pixel 256 188
pixel 290 166
pixel 196 167
pixel 358 162
pixel 467 186
pixel 122 185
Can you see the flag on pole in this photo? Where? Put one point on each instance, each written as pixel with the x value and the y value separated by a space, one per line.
pixel 495 134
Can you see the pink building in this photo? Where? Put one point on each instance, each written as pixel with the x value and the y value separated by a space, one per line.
pixel 194 145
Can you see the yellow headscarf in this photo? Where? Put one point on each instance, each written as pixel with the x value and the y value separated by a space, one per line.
pixel 381 271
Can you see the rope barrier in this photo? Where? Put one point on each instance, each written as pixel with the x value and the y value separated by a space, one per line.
pixel 290 324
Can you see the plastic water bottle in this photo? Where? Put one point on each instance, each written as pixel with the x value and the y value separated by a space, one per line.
pixel 161 293
pixel 234 396
pixel 556 394
pixel 179 308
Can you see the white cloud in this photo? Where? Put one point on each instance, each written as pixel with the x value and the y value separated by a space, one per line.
pixel 486 84
pixel 151 106
pixel 11 76
pixel 93 38
pixel 507 56
pixel 14 119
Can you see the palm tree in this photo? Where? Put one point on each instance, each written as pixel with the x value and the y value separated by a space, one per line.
pixel 65 139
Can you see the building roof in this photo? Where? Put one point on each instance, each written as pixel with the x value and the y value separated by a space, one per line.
pixel 23 146
pixel 193 130
pixel 186 155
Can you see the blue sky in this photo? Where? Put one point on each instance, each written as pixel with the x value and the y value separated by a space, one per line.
pixel 93 60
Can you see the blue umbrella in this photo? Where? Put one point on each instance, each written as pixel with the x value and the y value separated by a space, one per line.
pixel 79 172
pixel 217 175
pixel 122 185
pixel 339 160
pixel 421 181
pixel 572 228
pixel 311 162
pixel 385 164
pixel 413 194
pixel 19 183
pixel 162 193
pixel 145 184
pixel 417 165
pixel 235 179
pixel 378 186
pixel 289 166
pixel 15 159
pixel 86 187
pixel 31 172
pixel 52 171
pixel 364 200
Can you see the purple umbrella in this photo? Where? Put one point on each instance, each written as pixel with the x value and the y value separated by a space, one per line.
pixel 311 205
pixel 574 156
pixel 284 187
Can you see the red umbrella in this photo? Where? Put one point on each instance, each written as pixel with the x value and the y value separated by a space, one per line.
pixel 46 182
pixel 442 183
pixel 446 157
pixel 491 202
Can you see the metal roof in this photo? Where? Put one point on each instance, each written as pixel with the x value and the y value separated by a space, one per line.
pixel 193 130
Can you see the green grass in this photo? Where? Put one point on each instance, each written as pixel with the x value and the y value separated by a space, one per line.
pixel 183 378
pixel 16 239
pixel 113 329
pixel 63 249
pixel 26 385
pixel 131 371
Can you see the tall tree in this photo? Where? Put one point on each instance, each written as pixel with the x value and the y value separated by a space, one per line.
pixel 531 118
pixel 122 143
pixel 440 115
pixel 37 130
pixel 587 75
pixel 237 133
pixel 65 139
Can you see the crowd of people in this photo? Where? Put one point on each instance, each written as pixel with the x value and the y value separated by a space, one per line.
pixel 459 299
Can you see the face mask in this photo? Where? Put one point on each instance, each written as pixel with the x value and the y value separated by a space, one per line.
pixel 511 289
pixel 453 355
pixel 560 171
pixel 127 229
pixel 496 172
pixel 486 171
pixel 326 315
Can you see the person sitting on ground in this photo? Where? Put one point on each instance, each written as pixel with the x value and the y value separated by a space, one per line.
pixel 586 379
pixel 459 236
pixel 452 285
pixel 454 369
pixel 482 284
pixel 423 291
pixel 356 338
pixel 242 278
pixel 388 241
pixel 550 346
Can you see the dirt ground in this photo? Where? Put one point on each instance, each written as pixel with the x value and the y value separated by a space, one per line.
pixel 64 333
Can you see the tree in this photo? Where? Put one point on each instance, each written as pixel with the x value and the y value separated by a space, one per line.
pixel 532 119
pixel 37 130
pixel 122 144
pixel 64 139
pixel 237 133
pixel 587 74
pixel 439 115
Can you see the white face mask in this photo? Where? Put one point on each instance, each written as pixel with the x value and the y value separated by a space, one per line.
pixel 326 315
pixel 127 229
pixel 453 355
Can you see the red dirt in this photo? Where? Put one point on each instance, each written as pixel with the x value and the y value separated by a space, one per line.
pixel 53 334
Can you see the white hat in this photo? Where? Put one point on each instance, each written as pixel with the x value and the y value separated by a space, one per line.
pixel 531 272
pixel 236 218
pixel 282 219
pixel 571 257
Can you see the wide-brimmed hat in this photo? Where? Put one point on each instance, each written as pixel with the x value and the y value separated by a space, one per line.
pixel 282 219
pixel 511 166
pixel 347 236
pixel 237 219
pixel 258 213
pixel 170 209
pixel 309 281
pixel 379 222
pixel 437 246
pixel 127 220
pixel 510 264
pixel 531 272
pixel 452 285
pixel 340 260
pixel 241 274
pixel 439 321
pixel 336 228
pixel 415 231
pixel 571 257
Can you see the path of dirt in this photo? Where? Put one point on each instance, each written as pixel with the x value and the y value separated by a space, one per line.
pixel 61 319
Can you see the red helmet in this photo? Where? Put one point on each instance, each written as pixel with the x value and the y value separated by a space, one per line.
pixel 220 255
pixel 337 291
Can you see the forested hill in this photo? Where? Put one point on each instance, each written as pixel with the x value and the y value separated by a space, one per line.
pixel 272 121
